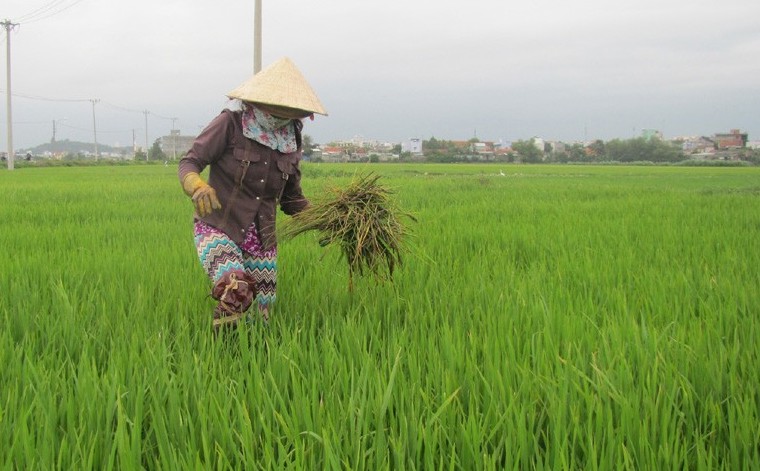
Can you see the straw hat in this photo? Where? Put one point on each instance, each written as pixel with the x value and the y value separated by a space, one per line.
pixel 281 85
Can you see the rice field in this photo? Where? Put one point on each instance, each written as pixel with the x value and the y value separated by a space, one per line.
pixel 546 317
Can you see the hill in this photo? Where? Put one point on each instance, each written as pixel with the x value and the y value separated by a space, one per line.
pixel 75 147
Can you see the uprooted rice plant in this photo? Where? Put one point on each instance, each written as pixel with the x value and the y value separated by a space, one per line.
pixel 363 220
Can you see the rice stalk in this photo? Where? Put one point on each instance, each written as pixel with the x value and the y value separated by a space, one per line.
pixel 363 221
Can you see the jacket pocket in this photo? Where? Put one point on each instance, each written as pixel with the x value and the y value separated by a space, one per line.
pixel 243 160
pixel 288 167
pixel 287 164
pixel 241 154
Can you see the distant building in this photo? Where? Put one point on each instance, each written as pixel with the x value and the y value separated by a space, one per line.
pixel 503 144
pixel 483 150
pixel 733 140
pixel 557 146
pixel 175 144
pixel 413 146
pixel 539 143
pixel 697 145
pixel 333 154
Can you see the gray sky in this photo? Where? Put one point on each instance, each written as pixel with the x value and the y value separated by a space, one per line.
pixel 390 70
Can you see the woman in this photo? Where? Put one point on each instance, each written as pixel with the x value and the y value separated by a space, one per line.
pixel 254 156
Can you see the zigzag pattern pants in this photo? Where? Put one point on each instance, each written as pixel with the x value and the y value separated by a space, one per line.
pixel 219 255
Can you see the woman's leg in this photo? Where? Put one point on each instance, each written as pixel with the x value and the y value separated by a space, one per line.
pixel 223 261
pixel 261 268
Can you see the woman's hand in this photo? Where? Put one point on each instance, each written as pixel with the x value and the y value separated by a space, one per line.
pixel 203 195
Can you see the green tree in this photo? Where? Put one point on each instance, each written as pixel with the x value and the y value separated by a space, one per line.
pixel 307 145
pixel 155 152
pixel 528 151
pixel 576 153
pixel 597 150
pixel 642 150
pixel 750 155
pixel 432 145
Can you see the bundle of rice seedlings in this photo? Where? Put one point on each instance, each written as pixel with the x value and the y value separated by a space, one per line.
pixel 363 220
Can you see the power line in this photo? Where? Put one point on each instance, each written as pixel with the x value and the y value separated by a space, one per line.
pixel 87 100
pixel 162 117
pixel 46 12
pixel 35 97
pixel 130 110
pixel 76 128
pixel 122 108
pixel 40 10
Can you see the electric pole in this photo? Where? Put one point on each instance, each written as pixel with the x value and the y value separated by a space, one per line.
pixel 174 140
pixel 55 128
pixel 146 133
pixel 134 145
pixel 94 127
pixel 8 27
pixel 257 37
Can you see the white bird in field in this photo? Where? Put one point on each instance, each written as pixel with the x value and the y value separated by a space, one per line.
pixel 501 173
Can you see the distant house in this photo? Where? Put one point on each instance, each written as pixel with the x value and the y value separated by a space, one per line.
pixel 483 150
pixel 413 146
pixel 555 146
pixel 539 143
pixel 333 154
pixel 733 140
pixel 698 145
pixel 175 144
pixel 502 152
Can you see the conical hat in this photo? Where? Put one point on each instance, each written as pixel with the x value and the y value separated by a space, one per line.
pixel 280 84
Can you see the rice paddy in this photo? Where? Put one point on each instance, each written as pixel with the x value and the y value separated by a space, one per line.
pixel 553 317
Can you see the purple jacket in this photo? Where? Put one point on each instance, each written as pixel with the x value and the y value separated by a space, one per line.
pixel 250 179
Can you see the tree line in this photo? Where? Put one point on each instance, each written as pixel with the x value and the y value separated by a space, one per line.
pixel 640 149
pixel 617 150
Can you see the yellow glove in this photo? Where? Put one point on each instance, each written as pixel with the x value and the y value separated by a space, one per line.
pixel 203 196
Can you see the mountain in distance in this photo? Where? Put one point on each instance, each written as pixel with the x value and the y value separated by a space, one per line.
pixel 66 146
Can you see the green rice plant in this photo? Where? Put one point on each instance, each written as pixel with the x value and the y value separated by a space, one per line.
pixel 554 317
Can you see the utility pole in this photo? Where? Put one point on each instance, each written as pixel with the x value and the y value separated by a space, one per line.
pixel 134 144
pixel 174 140
pixel 146 133
pixel 8 27
pixel 94 127
pixel 55 128
pixel 257 37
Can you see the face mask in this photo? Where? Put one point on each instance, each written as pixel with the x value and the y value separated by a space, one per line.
pixel 275 133
pixel 267 121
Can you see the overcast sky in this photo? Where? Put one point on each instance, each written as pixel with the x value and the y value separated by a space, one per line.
pixel 389 70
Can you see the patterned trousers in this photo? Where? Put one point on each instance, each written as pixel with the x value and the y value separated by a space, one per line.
pixel 221 256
